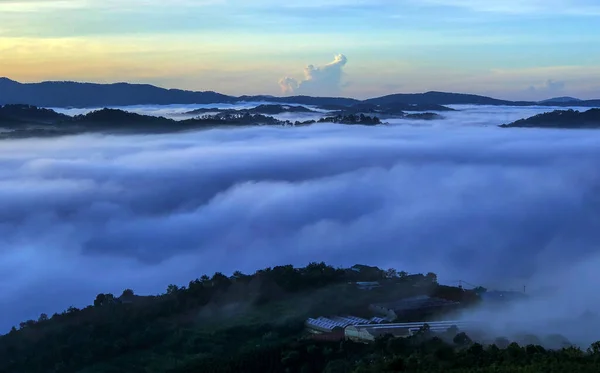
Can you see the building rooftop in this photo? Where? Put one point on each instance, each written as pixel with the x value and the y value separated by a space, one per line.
pixel 324 323
pixel 408 327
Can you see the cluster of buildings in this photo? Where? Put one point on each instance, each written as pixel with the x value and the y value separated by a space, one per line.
pixel 367 330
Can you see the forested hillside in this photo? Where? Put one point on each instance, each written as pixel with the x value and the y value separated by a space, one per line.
pixel 254 323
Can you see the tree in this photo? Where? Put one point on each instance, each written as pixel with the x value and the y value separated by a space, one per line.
pixel 104 299
pixel 127 293
pixel 172 289
pixel 220 280
pixel 432 277
pixel 43 317
pixel 462 339
pixel 391 273
pixel 238 274
pixel 100 299
pixel 594 348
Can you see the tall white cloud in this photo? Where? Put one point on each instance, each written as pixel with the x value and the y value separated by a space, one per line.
pixel 318 80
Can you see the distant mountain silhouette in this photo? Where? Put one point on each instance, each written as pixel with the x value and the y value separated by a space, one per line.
pixel 302 100
pixel 561 100
pixel 73 94
pixel 260 109
pixel 437 98
pixel 561 119
pixel 18 114
pixel 392 108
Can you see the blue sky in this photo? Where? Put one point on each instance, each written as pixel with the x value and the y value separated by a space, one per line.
pixel 525 49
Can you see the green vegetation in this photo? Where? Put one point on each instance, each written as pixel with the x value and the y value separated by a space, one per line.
pixel 255 323
pixel 423 116
pixel 560 119
pixel 24 121
pixel 352 119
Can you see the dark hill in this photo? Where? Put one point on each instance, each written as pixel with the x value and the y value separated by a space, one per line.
pixel 192 328
pixel 256 323
pixel 111 117
pixel 444 98
pixel 437 98
pixel 561 119
pixel 24 121
pixel 561 100
pixel 260 109
pixel 352 119
pixel 72 94
pixel 29 114
pixel 114 119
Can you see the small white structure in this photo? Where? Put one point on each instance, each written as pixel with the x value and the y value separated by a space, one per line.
pixel 368 333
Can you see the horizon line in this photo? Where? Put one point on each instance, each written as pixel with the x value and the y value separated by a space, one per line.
pixel 274 96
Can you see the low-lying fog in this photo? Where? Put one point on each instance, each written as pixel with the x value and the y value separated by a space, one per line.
pixel 480 115
pixel 495 207
pixel 179 112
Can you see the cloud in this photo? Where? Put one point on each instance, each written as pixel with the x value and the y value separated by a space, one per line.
pixel 31 6
pixel 496 207
pixel 554 86
pixel 561 308
pixel 550 87
pixel 539 7
pixel 318 80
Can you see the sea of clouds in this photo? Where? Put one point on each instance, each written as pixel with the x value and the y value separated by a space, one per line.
pixel 460 197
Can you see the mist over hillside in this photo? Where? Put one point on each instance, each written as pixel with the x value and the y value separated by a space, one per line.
pixel 497 207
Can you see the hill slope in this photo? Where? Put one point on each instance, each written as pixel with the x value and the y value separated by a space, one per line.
pixel 560 119
pixel 439 98
pixel 254 323
pixel 73 94
pixel 211 318
pixel 24 121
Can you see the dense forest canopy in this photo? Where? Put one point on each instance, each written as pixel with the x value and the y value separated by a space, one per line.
pixel 255 323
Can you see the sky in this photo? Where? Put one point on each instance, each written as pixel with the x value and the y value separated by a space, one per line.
pixel 496 207
pixel 515 49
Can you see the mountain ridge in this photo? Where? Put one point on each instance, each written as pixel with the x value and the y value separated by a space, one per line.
pixel 561 99
pixel 86 95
